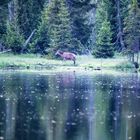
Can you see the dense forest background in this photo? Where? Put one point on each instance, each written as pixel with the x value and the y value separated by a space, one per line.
pixel 100 27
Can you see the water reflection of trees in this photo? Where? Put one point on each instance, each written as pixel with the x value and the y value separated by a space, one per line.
pixel 118 98
pixel 69 107
pixel 78 126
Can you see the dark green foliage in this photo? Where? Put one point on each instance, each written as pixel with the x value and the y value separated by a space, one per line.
pixel 29 13
pixel 132 28
pixel 26 18
pixel 66 25
pixel 81 29
pixel 55 27
pixel 13 39
pixel 104 47
pixel 3 16
pixel 4 2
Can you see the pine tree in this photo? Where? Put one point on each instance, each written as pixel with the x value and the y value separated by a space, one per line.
pixel 81 27
pixel 104 47
pixel 26 16
pixel 55 27
pixel 60 29
pixel 119 20
pixel 29 13
pixel 13 38
pixel 3 18
pixel 132 30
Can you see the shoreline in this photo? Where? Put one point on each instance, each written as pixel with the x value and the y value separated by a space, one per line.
pixel 79 71
pixel 30 62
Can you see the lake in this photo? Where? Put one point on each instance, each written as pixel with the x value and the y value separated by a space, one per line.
pixel 69 106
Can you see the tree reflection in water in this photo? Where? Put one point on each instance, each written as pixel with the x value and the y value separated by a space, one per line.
pixel 69 106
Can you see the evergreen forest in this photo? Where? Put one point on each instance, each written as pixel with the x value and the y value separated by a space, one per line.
pixel 99 27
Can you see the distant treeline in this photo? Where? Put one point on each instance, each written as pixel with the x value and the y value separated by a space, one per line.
pixel 100 27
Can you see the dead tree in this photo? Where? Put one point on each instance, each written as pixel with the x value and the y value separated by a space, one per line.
pixel 27 41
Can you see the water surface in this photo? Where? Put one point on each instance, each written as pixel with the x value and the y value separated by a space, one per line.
pixel 69 106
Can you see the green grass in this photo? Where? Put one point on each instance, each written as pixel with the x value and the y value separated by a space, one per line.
pixel 31 61
pixel 125 66
pixel 103 63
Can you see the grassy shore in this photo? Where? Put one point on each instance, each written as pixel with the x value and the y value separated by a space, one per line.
pixel 30 61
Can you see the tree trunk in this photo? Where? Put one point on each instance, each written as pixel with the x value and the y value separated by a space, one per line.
pixel 11 11
pixel 13 14
pixel 92 21
pixel 137 58
pixel 119 21
pixel 9 50
pixel 133 57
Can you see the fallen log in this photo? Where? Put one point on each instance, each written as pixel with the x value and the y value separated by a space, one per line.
pixel 27 41
pixel 5 51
